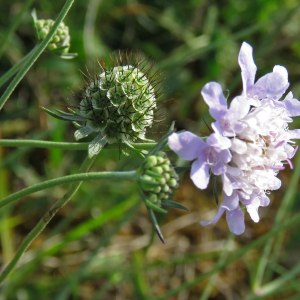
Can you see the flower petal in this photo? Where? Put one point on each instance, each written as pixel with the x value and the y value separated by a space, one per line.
pixel 218 141
pixel 230 202
pixel 200 173
pixel 235 221
pixel 186 144
pixel 215 219
pixel 213 96
pixel 247 65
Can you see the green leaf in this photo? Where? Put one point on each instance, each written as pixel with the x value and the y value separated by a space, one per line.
pixel 64 113
pixel 77 125
pixel 64 118
pixel 182 169
pixel 214 187
pixel 82 133
pixel 161 144
pixel 153 174
pixel 169 203
pixel 155 224
pixel 155 207
pixel 96 145
pixel 149 182
pixel 34 20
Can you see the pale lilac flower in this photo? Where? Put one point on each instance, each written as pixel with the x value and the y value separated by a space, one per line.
pixel 227 119
pixel 212 154
pixel 258 141
pixel 272 85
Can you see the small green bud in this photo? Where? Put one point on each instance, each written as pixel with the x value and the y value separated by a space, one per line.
pixel 165 167
pixel 172 183
pixel 43 33
pixel 158 170
pixel 160 160
pixel 151 161
pixel 165 188
pixel 153 198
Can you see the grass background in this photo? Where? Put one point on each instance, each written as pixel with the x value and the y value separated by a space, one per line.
pixel 101 244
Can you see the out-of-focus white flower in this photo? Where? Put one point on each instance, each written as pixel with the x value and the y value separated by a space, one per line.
pixel 261 144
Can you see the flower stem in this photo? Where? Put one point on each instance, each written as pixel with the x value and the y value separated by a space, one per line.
pixel 130 175
pixel 15 68
pixel 68 146
pixel 36 54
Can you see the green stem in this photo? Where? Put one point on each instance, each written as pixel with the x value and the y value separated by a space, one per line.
pixel 208 288
pixel 15 68
pixel 67 146
pixel 14 26
pixel 276 284
pixel 36 54
pixel 129 175
pixel 239 253
pixel 45 220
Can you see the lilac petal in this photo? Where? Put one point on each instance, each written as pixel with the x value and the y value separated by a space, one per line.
pixel 218 141
pixel 219 168
pixel 227 185
pixel 292 106
pixel 295 134
pixel 239 107
pixel 264 199
pixel 200 173
pixel 233 171
pixel 252 209
pixel 225 156
pixel 247 65
pixel 186 145
pixel 235 221
pixel 215 219
pixel 270 85
pixel 213 96
pixel 230 202
pixel 239 146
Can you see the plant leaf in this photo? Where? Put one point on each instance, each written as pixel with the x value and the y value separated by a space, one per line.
pixel 82 132
pixel 34 20
pixel 182 169
pixel 155 224
pixel 214 187
pixel 64 118
pixel 96 145
pixel 155 207
pixel 169 203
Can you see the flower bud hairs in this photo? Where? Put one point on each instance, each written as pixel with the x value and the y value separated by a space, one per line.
pixel 118 102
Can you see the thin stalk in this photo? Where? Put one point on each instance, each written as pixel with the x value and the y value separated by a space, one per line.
pixel 14 26
pixel 208 288
pixel 285 205
pixel 239 253
pixel 68 146
pixel 16 67
pixel 275 285
pixel 36 54
pixel 129 175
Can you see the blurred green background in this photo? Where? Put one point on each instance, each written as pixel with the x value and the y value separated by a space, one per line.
pixel 101 244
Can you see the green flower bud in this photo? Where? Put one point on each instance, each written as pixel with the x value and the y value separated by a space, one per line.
pixel 60 42
pixel 157 168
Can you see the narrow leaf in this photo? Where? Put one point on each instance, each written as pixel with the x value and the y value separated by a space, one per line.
pixel 169 203
pixel 161 144
pixel 149 182
pixel 182 169
pixel 34 20
pixel 214 187
pixel 96 145
pixel 156 226
pixel 64 118
pixel 68 55
pixel 82 133
pixel 155 207
pixel 77 125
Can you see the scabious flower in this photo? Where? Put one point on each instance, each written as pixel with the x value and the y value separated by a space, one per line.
pixel 254 130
